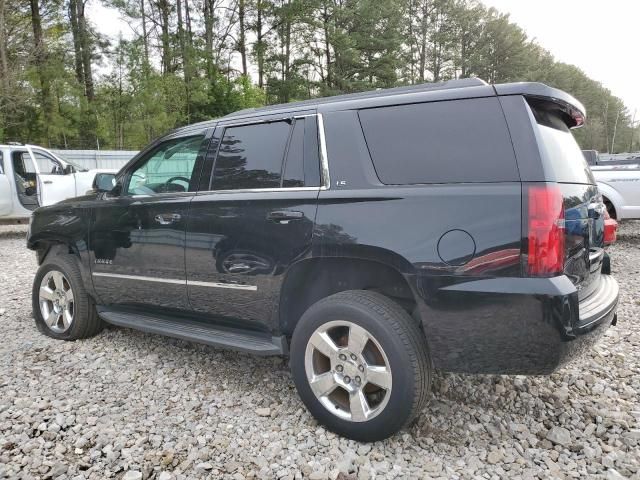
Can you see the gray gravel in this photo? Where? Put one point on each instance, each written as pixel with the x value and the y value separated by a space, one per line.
pixel 130 405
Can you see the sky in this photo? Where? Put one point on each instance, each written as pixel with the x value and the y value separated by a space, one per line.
pixel 601 38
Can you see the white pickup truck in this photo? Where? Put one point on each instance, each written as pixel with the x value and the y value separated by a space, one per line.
pixel 32 176
pixel 619 183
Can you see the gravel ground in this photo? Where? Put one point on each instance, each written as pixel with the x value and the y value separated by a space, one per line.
pixel 131 405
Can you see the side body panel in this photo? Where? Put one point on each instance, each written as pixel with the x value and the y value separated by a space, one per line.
pixel 622 187
pixel 137 250
pixel 236 256
pixel 438 236
pixel 66 223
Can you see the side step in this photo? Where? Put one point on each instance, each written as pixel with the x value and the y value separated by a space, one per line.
pixel 199 332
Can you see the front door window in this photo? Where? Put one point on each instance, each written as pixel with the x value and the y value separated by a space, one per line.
pixel 168 169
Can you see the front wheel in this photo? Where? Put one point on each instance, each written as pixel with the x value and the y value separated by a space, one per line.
pixel 61 306
pixel 360 364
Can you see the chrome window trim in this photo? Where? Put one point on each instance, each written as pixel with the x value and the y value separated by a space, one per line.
pixel 262 190
pixel 324 160
pixel 194 283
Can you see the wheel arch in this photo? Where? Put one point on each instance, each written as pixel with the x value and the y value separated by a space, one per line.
pixel 312 279
pixel 611 194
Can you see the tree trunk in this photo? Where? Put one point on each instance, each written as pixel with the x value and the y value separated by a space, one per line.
pixel 145 39
pixel 327 45
pixel 185 61
pixel 163 6
pixel 260 45
pixel 41 61
pixel 208 36
pixel 85 46
pixel 242 46
pixel 75 33
pixel 424 26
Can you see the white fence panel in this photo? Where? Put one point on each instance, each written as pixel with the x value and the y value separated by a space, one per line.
pixel 111 159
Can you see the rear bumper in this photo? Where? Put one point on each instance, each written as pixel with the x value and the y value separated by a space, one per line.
pixel 514 325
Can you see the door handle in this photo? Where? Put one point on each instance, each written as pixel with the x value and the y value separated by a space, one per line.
pixel 167 218
pixel 47 182
pixel 284 216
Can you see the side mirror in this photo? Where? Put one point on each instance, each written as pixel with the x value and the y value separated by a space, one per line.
pixel 104 182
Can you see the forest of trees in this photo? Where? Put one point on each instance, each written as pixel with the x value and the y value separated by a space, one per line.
pixel 63 84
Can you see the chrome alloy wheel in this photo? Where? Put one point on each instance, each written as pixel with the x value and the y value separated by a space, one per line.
pixel 348 371
pixel 56 301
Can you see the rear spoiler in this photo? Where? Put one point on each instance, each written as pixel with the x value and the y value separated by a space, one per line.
pixel 574 112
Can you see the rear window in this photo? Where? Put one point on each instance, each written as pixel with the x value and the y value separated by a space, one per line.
pixel 440 142
pixel 559 149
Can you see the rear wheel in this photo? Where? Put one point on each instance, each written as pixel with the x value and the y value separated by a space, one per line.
pixel 360 364
pixel 61 306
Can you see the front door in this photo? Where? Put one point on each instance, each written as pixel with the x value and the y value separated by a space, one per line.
pixel 54 183
pixel 137 237
pixel 256 220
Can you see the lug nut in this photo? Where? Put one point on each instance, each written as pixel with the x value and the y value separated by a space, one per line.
pixel 353 357
pixel 342 356
pixel 357 379
pixel 361 368
pixel 347 379
pixel 339 368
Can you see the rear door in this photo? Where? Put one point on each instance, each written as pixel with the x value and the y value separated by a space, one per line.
pixel 256 219
pixel 565 164
pixel 54 183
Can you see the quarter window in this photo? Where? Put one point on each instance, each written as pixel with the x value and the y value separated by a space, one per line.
pixel 169 168
pixel 440 142
pixel 251 156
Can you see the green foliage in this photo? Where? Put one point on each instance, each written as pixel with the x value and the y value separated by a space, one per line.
pixel 184 66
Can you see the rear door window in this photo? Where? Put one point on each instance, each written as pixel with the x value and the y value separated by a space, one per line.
pixel 251 156
pixel 440 142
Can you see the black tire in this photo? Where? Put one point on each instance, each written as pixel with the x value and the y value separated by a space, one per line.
pixel 86 322
pixel 400 338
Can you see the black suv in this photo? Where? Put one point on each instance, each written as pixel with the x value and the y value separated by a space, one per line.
pixel 370 237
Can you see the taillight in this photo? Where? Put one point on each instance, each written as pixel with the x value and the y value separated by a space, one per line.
pixel 610 229
pixel 545 231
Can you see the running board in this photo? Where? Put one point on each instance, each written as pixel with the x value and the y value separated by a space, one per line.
pixel 199 332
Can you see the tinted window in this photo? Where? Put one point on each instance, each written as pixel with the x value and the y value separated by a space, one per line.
pixel 311 155
pixel 251 156
pixel 294 167
pixel 559 149
pixel 167 168
pixel 440 142
pixel 1 164
pixel 46 164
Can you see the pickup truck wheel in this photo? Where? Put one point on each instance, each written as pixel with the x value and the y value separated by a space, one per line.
pixel 61 307
pixel 360 364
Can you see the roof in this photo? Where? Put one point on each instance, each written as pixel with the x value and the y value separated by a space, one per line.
pixel 449 90
pixel 387 92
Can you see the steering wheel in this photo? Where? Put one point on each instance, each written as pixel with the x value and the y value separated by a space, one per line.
pixel 182 179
